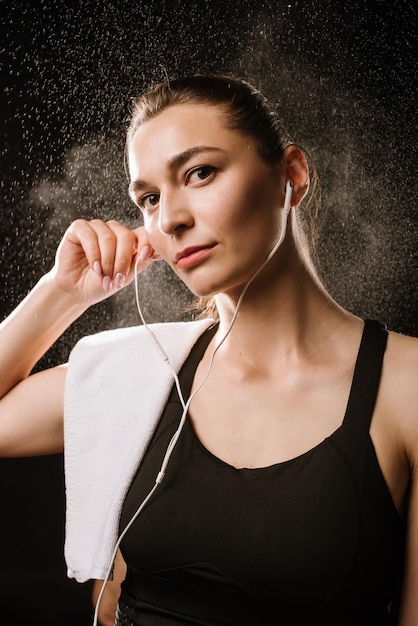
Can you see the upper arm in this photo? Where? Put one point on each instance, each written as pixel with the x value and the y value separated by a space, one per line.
pixel 409 604
pixel 406 396
pixel 31 415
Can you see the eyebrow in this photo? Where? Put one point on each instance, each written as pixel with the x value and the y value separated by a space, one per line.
pixel 175 162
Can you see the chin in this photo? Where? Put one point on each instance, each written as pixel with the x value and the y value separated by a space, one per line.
pixel 209 284
pixel 199 287
pixel 199 290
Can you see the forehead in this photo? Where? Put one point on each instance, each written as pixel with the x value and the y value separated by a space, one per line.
pixel 186 119
pixel 179 128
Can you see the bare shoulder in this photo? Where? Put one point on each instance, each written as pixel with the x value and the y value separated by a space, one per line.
pixel 401 360
pixel 403 350
pixel 400 377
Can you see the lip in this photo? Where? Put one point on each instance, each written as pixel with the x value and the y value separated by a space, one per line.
pixel 191 256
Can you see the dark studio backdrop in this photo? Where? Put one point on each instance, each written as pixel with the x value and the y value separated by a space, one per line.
pixel 343 75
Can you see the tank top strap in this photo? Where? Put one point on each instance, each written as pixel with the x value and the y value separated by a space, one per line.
pixel 366 376
pixel 188 370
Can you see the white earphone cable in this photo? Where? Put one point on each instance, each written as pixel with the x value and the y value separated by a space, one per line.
pixel 185 405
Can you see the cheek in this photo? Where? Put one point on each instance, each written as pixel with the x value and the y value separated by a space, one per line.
pixel 159 242
pixel 252 207
pixel 151 226
pixel 154 235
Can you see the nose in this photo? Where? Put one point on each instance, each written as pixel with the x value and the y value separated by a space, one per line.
pixel 174 213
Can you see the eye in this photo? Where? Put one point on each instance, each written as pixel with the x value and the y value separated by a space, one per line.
pixel 148 202
pixel 200 174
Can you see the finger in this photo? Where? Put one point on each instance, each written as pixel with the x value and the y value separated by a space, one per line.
pixel 126 247
pixel 81 234
pixel 107 243
pixel 145 251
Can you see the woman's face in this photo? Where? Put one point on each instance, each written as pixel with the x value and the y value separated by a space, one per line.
pixel 211 205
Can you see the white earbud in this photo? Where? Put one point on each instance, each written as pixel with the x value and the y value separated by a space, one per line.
pixel 288 197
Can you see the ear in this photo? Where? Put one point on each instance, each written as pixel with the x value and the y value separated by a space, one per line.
pixel 297 171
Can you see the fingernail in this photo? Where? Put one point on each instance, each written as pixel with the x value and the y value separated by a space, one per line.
pixel 97 268
pixel 119 280
pixel 144 253
pixel 107 283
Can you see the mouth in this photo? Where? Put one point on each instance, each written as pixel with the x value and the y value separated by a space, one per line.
pixel 191 256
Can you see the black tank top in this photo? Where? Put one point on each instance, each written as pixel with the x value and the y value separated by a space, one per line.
pixel 313 540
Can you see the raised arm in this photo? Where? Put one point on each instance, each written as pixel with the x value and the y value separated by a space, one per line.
pixel 94 259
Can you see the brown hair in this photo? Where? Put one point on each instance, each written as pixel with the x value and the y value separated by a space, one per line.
pixel 247 111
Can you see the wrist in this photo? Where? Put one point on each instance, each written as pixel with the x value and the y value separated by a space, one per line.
pixel 63 302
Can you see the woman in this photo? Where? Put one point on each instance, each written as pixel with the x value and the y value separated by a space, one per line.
pixel 285 498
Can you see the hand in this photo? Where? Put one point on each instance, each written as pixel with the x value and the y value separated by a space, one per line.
pixel 96 258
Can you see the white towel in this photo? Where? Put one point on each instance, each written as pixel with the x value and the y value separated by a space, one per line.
pixel 117 386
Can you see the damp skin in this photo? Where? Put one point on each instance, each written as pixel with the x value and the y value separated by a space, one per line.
pixel 343 75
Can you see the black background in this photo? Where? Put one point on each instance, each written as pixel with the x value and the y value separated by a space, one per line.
pixel 343 75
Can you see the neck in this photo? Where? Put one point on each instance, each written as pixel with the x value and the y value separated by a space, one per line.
pixel 284 313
